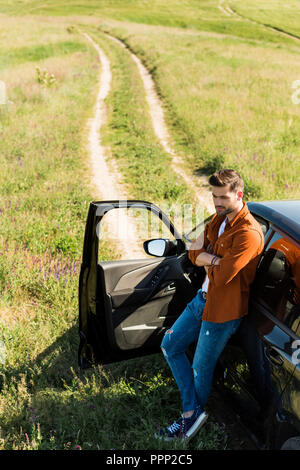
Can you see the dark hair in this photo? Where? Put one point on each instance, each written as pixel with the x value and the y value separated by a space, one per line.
pixel 223 177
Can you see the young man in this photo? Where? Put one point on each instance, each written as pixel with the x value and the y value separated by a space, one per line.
pixel 229 251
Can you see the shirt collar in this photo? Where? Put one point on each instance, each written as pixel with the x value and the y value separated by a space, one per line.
pixel 244 211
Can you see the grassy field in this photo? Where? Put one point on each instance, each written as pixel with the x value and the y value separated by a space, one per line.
pixel 45 400
pixel 237 111
pixel 283 16
pixel 226 85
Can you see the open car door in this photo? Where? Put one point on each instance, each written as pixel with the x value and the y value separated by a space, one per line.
pixel 126 305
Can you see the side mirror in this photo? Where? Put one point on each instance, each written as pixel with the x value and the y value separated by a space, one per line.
pixel 160 247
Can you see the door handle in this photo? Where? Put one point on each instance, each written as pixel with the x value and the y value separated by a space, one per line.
pixel 158 276
pixel 170 287
pixel 274 357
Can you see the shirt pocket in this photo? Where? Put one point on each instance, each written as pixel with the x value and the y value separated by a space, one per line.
pixel 223 246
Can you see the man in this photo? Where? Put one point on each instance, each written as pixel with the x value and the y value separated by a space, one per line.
pixel 229 251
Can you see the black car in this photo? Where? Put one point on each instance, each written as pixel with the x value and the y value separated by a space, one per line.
pixel 125 307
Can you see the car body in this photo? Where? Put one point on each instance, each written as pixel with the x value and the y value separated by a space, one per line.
pixel 125 307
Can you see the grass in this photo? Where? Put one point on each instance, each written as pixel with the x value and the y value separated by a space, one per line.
pixel 201 15
pixel 226 85
pixel 44 202
pixel 279 15
pixel 233 88
pixel 45 400
pixel 130 136
pixel 99 410
pixel 37 53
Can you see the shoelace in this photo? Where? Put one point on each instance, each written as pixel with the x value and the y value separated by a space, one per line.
pixel 182 426
pixel 174 427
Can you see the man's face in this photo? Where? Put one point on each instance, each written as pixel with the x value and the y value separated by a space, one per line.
pixel 226 201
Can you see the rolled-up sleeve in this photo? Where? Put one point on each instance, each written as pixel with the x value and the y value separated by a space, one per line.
pixel 246 246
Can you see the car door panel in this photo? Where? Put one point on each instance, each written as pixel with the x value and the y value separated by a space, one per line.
pixel 157 292
pixel 126 305
pixel 128 281
pixel 126 274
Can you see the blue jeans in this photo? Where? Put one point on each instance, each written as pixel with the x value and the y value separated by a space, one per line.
pixel 194 381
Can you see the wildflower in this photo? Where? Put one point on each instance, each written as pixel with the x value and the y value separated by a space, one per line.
pixel 38 428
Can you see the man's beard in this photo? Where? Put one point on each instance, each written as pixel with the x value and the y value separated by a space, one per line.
pixel 224 210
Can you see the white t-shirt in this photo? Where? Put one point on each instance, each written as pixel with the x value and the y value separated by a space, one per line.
pixel 206 280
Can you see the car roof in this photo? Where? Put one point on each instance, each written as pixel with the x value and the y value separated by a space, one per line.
pixel 283 214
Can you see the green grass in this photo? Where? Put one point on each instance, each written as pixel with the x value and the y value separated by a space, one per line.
pixel 228 102
pixel 44 202
pixel 45 402
pixel 130 136
pixel 283 16
pixel 226 86
pixel 37 53
pixel 201 15
pixel 119 407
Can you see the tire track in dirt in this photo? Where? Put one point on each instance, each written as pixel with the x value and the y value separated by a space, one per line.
pixel 223 8
pixel 199 184
pixel 106 180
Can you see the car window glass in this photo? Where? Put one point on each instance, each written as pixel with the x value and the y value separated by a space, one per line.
pixel 126 229
pixel 197 230
pixel 278 280
pixel 276 236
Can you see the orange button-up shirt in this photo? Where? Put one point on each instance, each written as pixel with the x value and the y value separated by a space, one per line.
pixel 239 248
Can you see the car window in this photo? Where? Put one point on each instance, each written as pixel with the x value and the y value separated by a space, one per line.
pixel 278 280
pixel 125 229
pixel 197 230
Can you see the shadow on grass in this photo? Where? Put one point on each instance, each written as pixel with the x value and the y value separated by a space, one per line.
pixel 118 406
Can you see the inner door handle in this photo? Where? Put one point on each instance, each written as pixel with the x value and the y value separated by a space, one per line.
pixel 170 287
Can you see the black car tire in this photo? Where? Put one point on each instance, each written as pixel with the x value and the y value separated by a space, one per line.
pixel 292 444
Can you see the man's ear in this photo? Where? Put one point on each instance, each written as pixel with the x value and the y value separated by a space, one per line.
pixel 240 195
